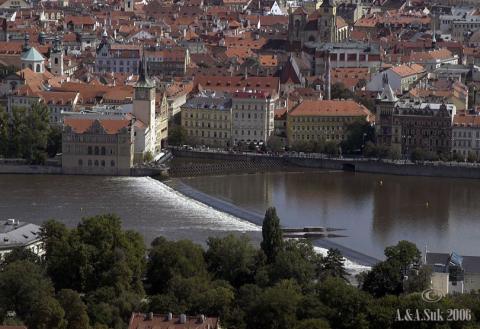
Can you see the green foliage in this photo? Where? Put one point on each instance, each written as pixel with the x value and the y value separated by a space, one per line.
pixel 272 235
pixel 331 148
pixel 20 253
pixel 339 91
pixel 28 134
pixel 232 259
pixel 379 151
pixel 148 157
pixel 54 141
pixel 75 310
pixel 332 265
pixel 173 258
pixel 387 277
pixel 312 324
pixel 472 157
pixel 357 134
pixel 275 144
pixel 26 291
pixel 101 260
pixel 4 133
pixel 276 307
pixel 177 135
pixel 296 260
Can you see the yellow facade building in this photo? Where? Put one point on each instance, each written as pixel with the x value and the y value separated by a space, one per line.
pixel 323 120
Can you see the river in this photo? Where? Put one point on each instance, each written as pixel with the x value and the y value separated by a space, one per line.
pixel 375 210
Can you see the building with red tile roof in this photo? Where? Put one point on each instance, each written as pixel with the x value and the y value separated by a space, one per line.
pixel 323 120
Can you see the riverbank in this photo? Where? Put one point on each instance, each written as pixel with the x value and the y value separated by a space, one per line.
pixel 256 218
pixel 318 161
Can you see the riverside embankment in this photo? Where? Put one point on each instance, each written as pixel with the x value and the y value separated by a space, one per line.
pixel 224 162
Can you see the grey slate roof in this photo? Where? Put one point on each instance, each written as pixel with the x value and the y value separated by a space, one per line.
pixel 18 234
pixel 471 264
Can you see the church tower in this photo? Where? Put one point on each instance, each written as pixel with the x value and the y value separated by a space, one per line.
pixel 56 58
pixel 327 21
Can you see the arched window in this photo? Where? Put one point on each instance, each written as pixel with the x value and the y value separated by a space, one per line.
pixel 97 150
pixel 55 60
pixel 103 163
pixel 103 150
pixel 80 162
pixel 96 163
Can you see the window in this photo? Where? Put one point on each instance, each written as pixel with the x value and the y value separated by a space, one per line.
pixel 96 151
pixel 80 162
pixel 112 163
pixel 89 150
pixel 89 163
pixel 103 163
pixel 103 150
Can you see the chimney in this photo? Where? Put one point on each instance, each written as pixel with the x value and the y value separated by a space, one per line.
pixel 183 318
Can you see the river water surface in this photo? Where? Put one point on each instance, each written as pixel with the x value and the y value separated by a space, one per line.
pixel 375 210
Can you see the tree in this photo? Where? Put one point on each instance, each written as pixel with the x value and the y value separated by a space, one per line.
pixel 405 253
pixel 276 307
pixel 331 148
pixel 296 260
pixel 173 258
pixel 54 141
pixel 75 310
pixel 357 134
pixel 148 157
pixel 275 143
pixel 177 135
pixel 26 291
pixel 97 253
pixel 387 277
pixel 272 235
pixel 333 265
pixel 232 259
pixel 418 154
pixel 21 253
pixel 472 157
pixel 252 146
pixel 313 324
pixel 4 132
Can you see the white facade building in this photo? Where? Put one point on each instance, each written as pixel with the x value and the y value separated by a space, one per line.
pixel 15 234
pixel 252 116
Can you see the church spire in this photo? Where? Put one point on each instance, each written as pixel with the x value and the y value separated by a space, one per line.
pixel 143 79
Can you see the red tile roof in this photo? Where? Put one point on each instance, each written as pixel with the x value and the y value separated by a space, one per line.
pixel 111 126
pixel 329 108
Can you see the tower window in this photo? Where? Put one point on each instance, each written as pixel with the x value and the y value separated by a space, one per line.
pixel 56 60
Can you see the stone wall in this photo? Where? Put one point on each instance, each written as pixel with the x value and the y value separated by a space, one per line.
pixel 29 169
pixel 358 165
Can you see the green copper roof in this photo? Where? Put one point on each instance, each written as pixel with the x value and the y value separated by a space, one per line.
pixel 32 55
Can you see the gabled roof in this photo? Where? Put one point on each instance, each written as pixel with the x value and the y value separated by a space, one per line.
pixel 82 125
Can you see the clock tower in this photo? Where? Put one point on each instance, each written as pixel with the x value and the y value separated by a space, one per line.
pixel 144 98
pixel 144 105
